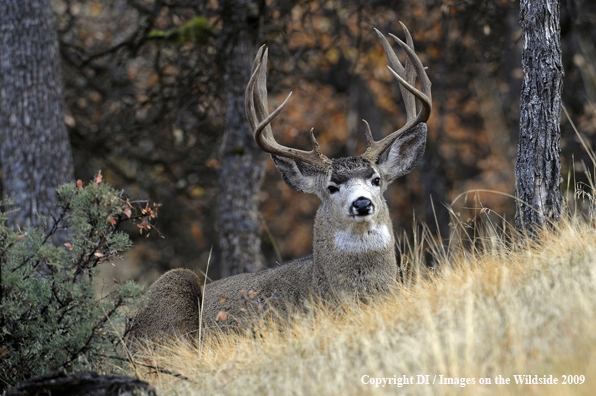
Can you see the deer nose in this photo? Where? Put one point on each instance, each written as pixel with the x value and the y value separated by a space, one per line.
pixel 362 206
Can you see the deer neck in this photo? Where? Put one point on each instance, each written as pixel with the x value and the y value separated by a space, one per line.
pixel 353 258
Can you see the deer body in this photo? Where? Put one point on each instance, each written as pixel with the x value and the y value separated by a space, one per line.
pixel 353 240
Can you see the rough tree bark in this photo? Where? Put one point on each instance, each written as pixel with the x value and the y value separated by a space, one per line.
pixel 538 166
pixel 242 162
pixel 34 146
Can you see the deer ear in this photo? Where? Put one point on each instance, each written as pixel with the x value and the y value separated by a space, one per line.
pixel 404 154
pixel 299 176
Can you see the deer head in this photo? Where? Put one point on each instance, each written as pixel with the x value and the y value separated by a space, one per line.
pixel 350 188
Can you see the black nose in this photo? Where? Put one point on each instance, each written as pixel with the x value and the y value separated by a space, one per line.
pixel 362 206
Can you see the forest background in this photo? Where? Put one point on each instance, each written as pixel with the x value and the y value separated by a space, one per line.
pixel 145 103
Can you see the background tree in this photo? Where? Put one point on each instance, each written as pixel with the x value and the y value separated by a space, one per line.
pixel 242 165
pixel 538 165
pixel 34 149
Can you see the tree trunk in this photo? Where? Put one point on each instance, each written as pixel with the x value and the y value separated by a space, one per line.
pixel 433 164
pixel 34 147
pixel 242 162
pixel 82 383
pixel 538 167
pixel 361 106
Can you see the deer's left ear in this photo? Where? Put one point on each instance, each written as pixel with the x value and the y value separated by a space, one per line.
pixel 404 154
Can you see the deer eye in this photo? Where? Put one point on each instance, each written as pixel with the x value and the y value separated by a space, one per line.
pixel 376 181
pixel 332 189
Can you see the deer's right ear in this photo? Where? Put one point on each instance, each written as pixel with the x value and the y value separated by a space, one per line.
pixel 404 154
pixel 299 176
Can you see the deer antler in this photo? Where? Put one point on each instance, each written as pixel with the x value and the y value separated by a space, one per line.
pixel 262 130
pixel 407 79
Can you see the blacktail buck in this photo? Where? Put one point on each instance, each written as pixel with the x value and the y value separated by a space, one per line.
pixel 353 244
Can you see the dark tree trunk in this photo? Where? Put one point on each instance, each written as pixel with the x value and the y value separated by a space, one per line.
pixel 86 383
pixel 433 165
pixel 242 162
pixel 538 167
pixel 34 147
pixel 361 106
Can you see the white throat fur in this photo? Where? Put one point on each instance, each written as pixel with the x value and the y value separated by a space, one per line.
pixel 376 239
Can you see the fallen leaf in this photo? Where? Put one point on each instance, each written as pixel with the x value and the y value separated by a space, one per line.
pixel 98 254
pixel 68 245
pixel 98 178
pixel 79 183
pixel 112 221
pixel 128 213
pixel 221 316
pixel 223 299
pixel 4 352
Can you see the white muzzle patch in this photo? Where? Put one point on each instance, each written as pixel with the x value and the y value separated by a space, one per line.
pixel 376 239
pixel 355 190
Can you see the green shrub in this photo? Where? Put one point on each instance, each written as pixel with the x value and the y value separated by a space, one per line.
pixel 50 318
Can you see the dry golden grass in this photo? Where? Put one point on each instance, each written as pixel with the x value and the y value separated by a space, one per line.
pixel 501 309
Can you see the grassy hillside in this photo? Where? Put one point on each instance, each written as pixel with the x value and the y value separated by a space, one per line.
pixel 522 308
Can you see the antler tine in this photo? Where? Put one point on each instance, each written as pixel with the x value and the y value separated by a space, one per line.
pixel 406 73
pixel 259 109
pixel 425 93
pixel 261 93
pixel 249 106
pixel 410 77
pixel 368 134
pixel 407 78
